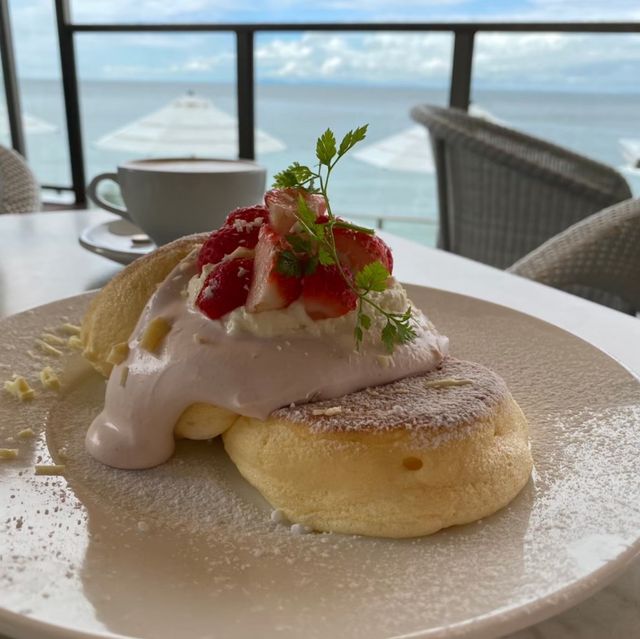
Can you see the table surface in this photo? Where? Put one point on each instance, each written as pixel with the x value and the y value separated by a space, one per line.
pixel 41 261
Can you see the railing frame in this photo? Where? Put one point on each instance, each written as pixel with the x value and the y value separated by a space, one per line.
pixel 12 94
pixel 464 34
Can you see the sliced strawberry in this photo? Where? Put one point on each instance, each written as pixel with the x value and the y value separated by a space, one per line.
pixel 326 294
pixel 226 287
pixel 247 215
pixel 283 206
pixel 270 289
pixel 225 241
pixel 357 249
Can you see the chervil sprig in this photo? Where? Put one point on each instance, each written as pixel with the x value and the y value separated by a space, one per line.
pixel 315 243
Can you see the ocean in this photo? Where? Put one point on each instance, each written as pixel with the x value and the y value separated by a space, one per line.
pixel 591 124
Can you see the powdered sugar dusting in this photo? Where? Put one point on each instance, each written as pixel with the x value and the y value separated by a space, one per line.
pixel 410 404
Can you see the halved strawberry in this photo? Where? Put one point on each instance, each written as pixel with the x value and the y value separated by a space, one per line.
pixel 283 205
pixel 326 294
pixel 357 249
pixel 247 215
pixel 226 287
pixel 225 241
pixel 270 289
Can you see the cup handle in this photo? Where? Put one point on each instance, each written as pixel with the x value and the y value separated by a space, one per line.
pixel 92 192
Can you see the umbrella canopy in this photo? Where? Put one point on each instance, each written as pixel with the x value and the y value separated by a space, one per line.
pixel 409 150
pixel 631 152
pixel 30 123
pixel 189 125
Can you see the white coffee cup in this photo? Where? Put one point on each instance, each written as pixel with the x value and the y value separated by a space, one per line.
pixel 169 198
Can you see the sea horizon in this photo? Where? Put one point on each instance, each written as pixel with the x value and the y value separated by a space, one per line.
pixel 592 124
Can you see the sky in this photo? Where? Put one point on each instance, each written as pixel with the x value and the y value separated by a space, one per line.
pixel 578 62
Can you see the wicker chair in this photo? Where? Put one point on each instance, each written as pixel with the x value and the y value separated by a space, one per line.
pixel 19 190
pixel 503 193
pixel 601 252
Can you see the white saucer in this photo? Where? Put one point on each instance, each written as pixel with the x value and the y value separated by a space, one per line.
pixel 115 241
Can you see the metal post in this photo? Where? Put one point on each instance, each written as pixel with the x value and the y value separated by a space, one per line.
pixel 12 94
pixel 245 87
pixel 460 92
pixel 71 101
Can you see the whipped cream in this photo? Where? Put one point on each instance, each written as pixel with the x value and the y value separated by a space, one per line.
pixel 250 364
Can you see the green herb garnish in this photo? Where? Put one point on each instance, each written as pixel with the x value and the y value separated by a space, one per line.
pixel 315 243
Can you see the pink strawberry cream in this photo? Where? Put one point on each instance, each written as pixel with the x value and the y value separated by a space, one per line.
pixel 247 362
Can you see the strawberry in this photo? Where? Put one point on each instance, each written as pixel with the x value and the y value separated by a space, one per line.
pixel 270 289
pixel 226 287
pixel 283 205
pixel 357 249
pixel 225 241
pixel 247 215
pixel 326 294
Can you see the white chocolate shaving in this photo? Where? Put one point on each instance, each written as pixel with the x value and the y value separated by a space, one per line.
pixel 53 340
pixel 19 388
pixel 49 378
pixel 70 329
pixel 157 329
pixel 74 343
pixel 118 353
pixel 333 410
pixel 47 349
pixel 49 469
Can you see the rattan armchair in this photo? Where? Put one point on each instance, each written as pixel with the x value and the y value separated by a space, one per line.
pixel 19 190
pixel 601 252
pixel 503 193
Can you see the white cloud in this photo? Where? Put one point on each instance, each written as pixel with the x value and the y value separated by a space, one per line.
pixel 147 10
pixel 409 57
pixel 553 58
pixel 531 59
pixel 577 10
pixel 374 57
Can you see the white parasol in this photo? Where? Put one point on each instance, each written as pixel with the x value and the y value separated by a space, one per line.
pixel 190 125
pixel 409 150
pixel 631 152
pixel 30 124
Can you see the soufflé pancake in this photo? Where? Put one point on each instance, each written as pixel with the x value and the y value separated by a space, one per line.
pixel 285 332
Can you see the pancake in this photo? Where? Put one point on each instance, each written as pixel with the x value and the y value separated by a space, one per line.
pixel 400 460
pixel 114 311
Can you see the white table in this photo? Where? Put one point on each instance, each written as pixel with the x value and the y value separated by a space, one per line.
pixel 40 261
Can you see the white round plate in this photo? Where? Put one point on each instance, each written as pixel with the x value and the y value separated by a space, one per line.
pixel 114 240
pixel 188 549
